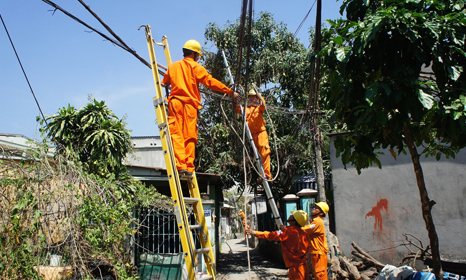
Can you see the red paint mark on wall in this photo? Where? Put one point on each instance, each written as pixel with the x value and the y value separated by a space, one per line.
pixel 407 212
pixel 377 213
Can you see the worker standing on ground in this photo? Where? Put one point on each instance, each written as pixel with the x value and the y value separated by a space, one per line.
pixel 318 249
pixel 184 102
pixel 241 213
pixel 294 243
pixel 256 123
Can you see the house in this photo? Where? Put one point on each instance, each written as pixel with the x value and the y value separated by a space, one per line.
pixel 158 249
pixel 18 144
pixel 377 208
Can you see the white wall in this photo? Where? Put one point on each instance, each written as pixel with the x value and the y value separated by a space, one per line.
pixel 375 208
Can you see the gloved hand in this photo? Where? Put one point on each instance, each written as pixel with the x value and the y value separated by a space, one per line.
pixel 237 97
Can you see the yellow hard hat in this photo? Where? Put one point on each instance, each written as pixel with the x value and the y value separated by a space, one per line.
pixel 252 92
pixel 300 217
pixel 193 45
pixel 324 206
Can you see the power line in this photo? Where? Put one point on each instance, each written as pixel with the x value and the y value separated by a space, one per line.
pixel 302 22
pixel 120 43
pixel 22 68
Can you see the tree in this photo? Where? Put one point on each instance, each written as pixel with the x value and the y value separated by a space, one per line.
pixel 93 135
pixel 279 66
pixel 381 87
pixel 100 196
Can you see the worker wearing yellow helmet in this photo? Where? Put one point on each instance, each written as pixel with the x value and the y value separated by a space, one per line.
pixel 294 243
pixel 318 249
pixel 184 102
pixel 256 123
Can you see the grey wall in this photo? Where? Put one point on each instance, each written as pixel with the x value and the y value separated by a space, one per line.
pixel 147 152
pixel 375 208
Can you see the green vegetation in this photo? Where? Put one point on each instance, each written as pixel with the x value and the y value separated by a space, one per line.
pixel 78 205
pixel 280 66
pixel 396 81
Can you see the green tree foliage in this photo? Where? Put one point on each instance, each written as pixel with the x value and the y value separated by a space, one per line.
pixel 55 207
pixel 396 81
pixel 99 195
pixel 94 135
pixel 279 65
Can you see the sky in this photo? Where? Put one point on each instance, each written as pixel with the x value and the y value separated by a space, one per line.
pixel 65 63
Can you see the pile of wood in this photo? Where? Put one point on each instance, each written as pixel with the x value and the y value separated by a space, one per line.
pixel 365 267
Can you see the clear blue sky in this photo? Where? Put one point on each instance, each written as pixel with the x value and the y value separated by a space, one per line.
pixel 65 64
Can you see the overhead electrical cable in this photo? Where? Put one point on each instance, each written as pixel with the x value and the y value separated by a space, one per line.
pixel 120 43
pixel 302 22
pixel 22 68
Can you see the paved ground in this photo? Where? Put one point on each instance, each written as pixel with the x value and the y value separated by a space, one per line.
pixel 233 263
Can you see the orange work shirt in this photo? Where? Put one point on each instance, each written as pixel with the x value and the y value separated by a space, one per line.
pixel 184 77
pixel 316 232
pixel 293 241
pixel 254 117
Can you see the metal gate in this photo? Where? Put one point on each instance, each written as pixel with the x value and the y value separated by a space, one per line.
pixel 158 251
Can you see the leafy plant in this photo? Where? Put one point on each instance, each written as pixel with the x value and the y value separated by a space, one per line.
pixel 93 135
pixel 396 81
pixel 279 65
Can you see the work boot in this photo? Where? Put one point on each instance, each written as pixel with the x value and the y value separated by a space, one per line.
pixel 182 171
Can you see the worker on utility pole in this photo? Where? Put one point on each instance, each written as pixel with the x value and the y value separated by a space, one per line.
pixel 294 243
pixel 318 249
pixel 184 102
pixel 254 117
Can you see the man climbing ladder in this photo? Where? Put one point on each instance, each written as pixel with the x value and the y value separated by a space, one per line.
pixel 191 254
pixel 184 77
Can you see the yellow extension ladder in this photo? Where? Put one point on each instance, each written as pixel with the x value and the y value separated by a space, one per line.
pixel 179 201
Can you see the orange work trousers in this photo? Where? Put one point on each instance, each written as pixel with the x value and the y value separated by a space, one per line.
pixel 319 266
pixel 261 140
pixel 299 272
pixel 182 122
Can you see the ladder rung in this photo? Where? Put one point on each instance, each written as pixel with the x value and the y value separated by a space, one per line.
pixel 203 250
pixel 190 200
pixel 194 226
pixel 206 277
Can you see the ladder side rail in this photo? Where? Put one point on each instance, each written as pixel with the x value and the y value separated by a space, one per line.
pixel 166 49
pixel 198 209
pixel 204 237
pixel 265 184
pixel 175 185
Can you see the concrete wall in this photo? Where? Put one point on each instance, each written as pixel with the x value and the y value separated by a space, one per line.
pixel 375 208
pixel 148 152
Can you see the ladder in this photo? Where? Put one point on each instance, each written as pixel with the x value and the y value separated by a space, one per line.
pixel 190 251
pixel 259 165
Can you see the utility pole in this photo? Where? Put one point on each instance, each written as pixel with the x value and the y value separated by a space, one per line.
pixel 318 134
pixel 314 106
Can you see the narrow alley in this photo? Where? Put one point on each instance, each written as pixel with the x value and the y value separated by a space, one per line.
pixel 233 263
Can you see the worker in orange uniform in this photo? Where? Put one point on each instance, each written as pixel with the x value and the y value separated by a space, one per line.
pixel 241 213
pixel 294 243
pixel 256 123
pixel 184 102
pixel 318 250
